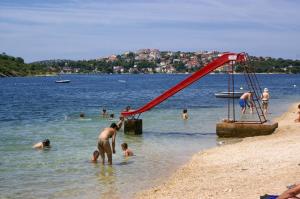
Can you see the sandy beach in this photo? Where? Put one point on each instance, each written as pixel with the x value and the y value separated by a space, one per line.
pixel 245 170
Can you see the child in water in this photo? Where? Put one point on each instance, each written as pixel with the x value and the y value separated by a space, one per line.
pixel 126 150
pixel 95 156
pixel 41 145
pixel 185 115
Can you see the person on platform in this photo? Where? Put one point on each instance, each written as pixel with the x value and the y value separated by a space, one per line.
pixel 42 145
pixel 185 115
pixel 265 100
pixel 126 150
pixel 244 99
pixel 103 141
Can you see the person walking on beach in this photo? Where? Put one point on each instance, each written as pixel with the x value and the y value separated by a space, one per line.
pixel 244 99
pixel 265 100
pixel 103 141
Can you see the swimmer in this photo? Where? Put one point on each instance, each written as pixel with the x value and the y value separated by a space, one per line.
pixel 41 145
pixel 95 156
pixel 185 115
pixel 126 150
pixel 81 115
pixel 246 97
pixel 104 113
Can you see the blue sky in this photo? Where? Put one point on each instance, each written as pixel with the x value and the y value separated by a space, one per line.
pixel 74 29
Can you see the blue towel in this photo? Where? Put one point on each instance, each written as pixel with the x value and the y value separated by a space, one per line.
pixel 268 197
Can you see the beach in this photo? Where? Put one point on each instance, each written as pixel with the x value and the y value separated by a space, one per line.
pixel 248 169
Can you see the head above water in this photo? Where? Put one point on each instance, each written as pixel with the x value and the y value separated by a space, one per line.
pixel 104 110
pixel 96 154
pixel 266 90
pixel 81 115
pixel 184 110
pixel 124 146
pixel 46 143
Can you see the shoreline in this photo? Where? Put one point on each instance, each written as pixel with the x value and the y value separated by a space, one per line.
pixel 55 74
pixel 247 169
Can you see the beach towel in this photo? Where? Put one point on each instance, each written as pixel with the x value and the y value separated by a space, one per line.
pixel 268 197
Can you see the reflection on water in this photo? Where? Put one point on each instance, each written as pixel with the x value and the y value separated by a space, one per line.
pixel 33 109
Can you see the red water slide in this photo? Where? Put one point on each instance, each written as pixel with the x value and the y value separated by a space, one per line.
pixel 220 61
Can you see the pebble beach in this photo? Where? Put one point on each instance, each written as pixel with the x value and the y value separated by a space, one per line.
pixel 248 169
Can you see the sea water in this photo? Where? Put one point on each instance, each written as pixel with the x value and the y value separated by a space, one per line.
pixel 35 108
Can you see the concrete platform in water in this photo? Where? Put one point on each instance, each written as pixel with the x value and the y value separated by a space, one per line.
pixel 228 129
pixel 133 126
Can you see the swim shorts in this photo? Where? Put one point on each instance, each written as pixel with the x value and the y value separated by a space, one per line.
pixel 265 102
pixel 104 146
pixel 242 103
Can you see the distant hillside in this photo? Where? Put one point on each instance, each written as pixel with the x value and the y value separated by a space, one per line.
pixel 14 66
pixel 142 61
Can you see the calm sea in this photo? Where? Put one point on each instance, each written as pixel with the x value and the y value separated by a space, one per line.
pixel 35 108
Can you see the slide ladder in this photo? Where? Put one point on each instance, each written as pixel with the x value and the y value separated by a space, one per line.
pixel 225 58
pixel 255 89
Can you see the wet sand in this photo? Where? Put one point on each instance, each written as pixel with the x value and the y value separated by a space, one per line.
pixel 248 169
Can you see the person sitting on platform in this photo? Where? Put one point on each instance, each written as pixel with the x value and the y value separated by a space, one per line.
pixel 126 150
pixel 244 99
pixel 185 115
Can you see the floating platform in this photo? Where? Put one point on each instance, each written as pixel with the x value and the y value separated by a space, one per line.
pixel 229 94
pixel 229 129
pixel 63 81
pixel 133 126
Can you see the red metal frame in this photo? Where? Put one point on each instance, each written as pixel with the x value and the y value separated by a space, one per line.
pixel 220 61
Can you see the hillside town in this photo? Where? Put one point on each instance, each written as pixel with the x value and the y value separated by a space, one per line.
pixel 155 61
pixel 147 61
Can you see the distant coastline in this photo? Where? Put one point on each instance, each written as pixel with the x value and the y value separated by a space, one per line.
pixel 145 61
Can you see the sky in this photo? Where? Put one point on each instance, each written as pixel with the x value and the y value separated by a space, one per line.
pixel 88 29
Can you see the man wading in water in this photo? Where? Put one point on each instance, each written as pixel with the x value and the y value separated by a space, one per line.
pixel 103 141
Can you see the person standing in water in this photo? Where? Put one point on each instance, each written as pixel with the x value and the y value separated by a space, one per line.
pixel 103 141
pixel 185 115
pixel 244 99
pixel 265 100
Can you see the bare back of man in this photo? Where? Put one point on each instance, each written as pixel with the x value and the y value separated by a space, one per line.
pixel 246 97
